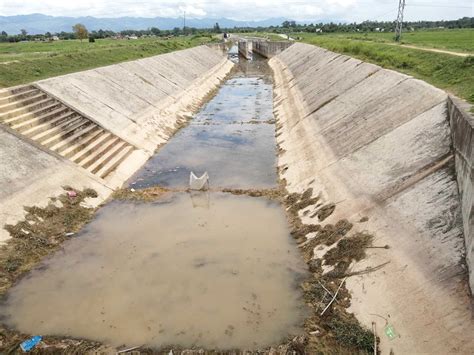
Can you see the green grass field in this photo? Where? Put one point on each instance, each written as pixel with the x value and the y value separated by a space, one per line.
pixel 29 61
pixel 451 73
pixel 458 40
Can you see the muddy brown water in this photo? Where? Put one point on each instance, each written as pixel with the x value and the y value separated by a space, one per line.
pixel 215 271
pixel 198 269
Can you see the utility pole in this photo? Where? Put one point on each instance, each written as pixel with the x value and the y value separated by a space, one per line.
pixel 398 28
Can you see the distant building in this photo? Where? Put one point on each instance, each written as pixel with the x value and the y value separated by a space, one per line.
pixel 132 37
pixel 54 38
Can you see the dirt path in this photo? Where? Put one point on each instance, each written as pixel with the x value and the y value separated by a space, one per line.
pixel 459 54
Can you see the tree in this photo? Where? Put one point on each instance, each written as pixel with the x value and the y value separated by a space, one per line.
pixel 217 28
pixel 4 34
pixel 155 31
pixel 23 32
pixel 80 31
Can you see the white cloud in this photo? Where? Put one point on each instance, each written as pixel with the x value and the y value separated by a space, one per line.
pixel 309 10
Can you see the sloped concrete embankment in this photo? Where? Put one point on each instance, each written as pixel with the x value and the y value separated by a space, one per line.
pixel 462 132
pixel 376 143
pixel 97 127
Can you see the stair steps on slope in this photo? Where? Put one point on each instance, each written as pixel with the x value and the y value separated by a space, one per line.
pixel 26 108
pixel 34 114
pixel 98 152
pixel 78 134
pixel 106 157
pixel 23 102
pixel 115 161
pixel 81 145
pixel 15 97
pixel 31 114
pixel 66 130
pixel 42 122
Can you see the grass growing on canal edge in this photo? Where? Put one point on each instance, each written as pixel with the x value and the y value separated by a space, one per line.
pixel 25 62
pixel 41 232
pixel 448 72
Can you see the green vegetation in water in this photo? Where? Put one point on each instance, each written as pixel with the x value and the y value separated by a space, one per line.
pixel 24 62
pixel 451 73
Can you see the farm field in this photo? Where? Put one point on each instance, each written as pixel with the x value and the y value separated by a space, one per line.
pixel 25 62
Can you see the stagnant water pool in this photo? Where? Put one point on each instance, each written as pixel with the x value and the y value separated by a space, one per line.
pixel 199 269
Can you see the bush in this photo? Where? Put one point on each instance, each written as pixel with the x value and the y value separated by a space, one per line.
pixel 91 39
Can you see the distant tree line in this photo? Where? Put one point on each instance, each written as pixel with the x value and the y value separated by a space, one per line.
pixel 80 32
pixel 286 26
pixel 366 26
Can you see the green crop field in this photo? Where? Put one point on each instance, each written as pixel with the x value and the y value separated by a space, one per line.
pixel 25 62
pixel 451 73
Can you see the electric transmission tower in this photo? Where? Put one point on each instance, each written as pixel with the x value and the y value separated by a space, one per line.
pixel 398 29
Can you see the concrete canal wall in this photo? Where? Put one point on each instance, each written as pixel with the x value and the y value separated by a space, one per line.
pixel 269 49
pixel 377 144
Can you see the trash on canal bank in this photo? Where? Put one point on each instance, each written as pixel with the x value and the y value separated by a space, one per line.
pixel 29 344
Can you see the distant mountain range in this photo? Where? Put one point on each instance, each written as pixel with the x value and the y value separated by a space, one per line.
pixel 39 23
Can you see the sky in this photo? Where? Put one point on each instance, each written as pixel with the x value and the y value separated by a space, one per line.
pixel 301 10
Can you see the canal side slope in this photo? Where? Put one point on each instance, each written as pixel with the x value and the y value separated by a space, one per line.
pixel 94 129
pixel 377 144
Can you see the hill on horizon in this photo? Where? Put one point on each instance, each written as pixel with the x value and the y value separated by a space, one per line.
pixel 39 23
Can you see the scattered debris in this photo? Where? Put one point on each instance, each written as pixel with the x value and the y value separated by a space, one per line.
pixel 29 344
pixel 390 332
pixel 334 297
pixel 128 349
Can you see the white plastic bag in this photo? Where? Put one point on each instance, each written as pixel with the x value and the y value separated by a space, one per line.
pixel 199 183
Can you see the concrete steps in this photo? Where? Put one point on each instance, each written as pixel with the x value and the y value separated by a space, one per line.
pixel 34 114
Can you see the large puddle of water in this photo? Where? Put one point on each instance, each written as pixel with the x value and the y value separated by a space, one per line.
pixel 218 274
pixel 198 269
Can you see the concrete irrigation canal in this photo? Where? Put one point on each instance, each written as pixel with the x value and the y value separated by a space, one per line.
pixel 337 217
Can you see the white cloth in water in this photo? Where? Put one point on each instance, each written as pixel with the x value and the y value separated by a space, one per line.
pixel 198 183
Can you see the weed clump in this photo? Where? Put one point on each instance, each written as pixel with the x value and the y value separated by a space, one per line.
pixel 41 232
pixel 351 334
pixel 324 212
pixel 347 250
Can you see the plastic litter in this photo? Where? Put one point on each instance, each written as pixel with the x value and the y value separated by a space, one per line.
pixel 29 344
pixel 390 332
pixel 72 193
pixel 198 183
